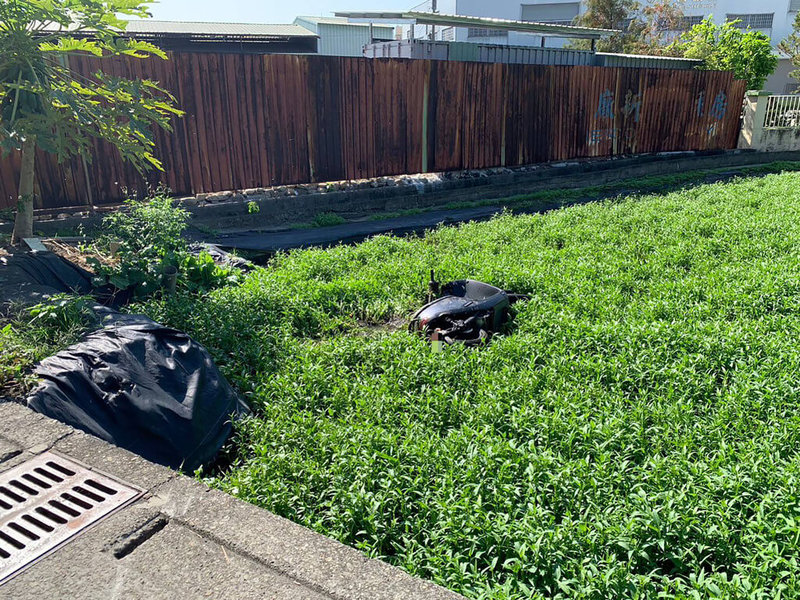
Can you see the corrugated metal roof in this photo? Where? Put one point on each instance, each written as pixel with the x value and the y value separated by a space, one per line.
pixel 646 56
pixel 530 55
pixel 340 21
pixel 644 61
pixel 237 30
pixel 427 18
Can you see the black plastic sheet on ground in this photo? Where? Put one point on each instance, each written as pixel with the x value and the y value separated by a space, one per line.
pixel 144 387
pixel 28 277
pixel 220 256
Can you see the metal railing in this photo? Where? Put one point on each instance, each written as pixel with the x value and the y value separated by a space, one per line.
pixel 783 112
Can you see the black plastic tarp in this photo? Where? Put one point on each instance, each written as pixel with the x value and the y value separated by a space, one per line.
pixel 27 277
pixel 144 387
pixel 220 256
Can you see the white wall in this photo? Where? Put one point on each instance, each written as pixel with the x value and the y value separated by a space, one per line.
pixel 348 40
pixel 512 9
pixel 782 22
pixel 504 9
pixel 776 83
pixel 344 39
pixel 783 132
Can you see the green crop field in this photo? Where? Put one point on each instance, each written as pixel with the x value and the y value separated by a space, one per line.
pixel 636 432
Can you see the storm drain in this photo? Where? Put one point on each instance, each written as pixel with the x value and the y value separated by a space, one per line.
pixel 48 500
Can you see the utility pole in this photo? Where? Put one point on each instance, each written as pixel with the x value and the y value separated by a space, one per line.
pixel 433 27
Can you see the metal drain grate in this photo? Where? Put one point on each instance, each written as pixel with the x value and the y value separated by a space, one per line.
pixel 48 500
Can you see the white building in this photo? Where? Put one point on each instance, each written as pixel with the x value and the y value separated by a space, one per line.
pixel 338 37
pixel 773 17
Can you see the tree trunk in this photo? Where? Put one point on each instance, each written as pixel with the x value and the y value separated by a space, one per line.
pixel 23 224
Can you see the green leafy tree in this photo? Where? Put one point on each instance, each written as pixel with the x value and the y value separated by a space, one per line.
pixel 45 105
pixel 642 29
pixel 727 48
pixel 791 48
pixel 655 28
pixel 608 14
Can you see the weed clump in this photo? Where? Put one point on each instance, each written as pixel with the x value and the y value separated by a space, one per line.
pixel 327 219
pixel 35 333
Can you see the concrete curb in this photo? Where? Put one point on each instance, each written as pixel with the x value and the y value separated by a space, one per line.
pixel 183 539
pixel 285 206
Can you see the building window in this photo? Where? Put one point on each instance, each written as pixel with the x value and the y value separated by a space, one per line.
pixel 794 5
pixel 687 22
pixel 754 21
pixel 448 34
pixel 479 32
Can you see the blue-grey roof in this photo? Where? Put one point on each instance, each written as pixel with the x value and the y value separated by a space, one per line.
pixel 216 30
pixel 445 20
pixel 339 21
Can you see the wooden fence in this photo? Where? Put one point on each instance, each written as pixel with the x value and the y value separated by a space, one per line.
pixel 255 121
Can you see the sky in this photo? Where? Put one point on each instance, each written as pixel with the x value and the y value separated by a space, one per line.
pixel 264 11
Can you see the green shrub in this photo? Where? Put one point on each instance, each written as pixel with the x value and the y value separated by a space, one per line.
pixel 60 314
pixel 327 219
pixel 729 47
pixel 200 272
pixel 37 332
pixel 146 239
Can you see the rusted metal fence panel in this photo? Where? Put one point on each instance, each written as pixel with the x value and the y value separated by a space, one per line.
pixel 254 121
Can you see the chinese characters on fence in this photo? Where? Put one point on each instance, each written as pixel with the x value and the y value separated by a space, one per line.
pixel 717 111
pixel 605 111
pixel 632 110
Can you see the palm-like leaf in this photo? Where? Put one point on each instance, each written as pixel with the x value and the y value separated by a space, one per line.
pixel 41 97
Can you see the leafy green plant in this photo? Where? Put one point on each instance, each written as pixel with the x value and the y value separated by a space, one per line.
pixel 44 106
pixel 726 47
pixel 202 273
pixel 38 332
pixel 61 313
pixel 327 219
pixel 144 239
pixel 790 46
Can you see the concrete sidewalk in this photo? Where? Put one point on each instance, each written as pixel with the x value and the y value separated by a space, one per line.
pixel 184 540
